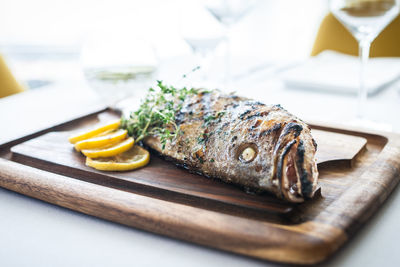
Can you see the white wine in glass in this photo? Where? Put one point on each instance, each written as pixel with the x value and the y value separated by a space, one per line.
pixel 365 19
pixel 118 66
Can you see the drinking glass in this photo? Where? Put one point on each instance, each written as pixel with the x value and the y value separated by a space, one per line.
pixel 202 33
pixel 228 13
pixel 118 66
pixel 365 19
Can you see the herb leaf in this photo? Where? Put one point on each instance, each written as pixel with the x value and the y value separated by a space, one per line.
pixel 156 114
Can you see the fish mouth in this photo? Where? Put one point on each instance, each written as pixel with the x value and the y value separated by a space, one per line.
pixel 295 172
pixel 297 179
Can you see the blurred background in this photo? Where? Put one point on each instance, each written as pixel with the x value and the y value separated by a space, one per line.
pixel 112 50
pixel 57 30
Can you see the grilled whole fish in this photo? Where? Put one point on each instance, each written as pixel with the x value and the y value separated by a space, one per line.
pixel 245 142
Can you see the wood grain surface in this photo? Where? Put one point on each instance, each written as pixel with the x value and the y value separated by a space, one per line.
pixel 163 199
pixel 338 147
pixel 53 152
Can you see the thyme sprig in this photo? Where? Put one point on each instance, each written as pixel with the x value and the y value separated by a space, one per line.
pixel 156 114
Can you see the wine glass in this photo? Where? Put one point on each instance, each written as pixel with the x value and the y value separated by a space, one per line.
pixel 202 33
pixel 365 19
pixel 228 13
pixel 118 66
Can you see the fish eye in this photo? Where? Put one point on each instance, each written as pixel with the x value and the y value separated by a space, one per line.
pixel 247 153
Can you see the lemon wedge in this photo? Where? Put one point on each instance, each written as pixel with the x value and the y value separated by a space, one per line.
pixel 109 150
pixel 94 132
pixel 102 140
pixel 132 159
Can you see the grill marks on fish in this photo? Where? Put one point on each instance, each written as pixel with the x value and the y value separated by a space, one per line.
pixel 205 100
pixel 275 129
pixel 214 146
pixel 196 109
pixel 292 127
pixel 286 149
pixel 287 138
pixel 242 116
pixel 306 185
pixel 258 122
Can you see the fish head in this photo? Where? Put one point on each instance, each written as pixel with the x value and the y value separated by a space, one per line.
pixel 294 164
pixel 280 156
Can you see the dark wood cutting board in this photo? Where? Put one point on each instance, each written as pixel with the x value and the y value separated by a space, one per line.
pixel 357 172
pixel 53 152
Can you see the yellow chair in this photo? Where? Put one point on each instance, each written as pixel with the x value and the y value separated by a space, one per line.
pixel 8 84
pixel 333 35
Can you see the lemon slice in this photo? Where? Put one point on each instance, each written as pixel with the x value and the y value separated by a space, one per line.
pixel 132 159
pixel 101 141
pixel 94 132
pixel 109 150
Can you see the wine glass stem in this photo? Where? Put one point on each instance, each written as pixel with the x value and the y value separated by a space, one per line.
pixel 364 47
pixel 204 58
pixel 227 78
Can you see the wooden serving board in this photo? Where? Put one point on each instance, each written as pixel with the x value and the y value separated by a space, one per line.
pixel 358 170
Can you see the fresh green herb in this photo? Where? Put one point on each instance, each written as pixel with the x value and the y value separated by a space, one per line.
pixel 201 160
pixel 156 114
pixel 193 70
pixel 209 118
pixel 220 114
pixel 202 139
pixel 213 118
pixel 212 160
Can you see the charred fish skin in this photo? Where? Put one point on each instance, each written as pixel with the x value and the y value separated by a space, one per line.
pixel 245 142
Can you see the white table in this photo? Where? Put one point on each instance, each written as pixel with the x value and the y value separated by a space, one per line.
pixel 34 233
